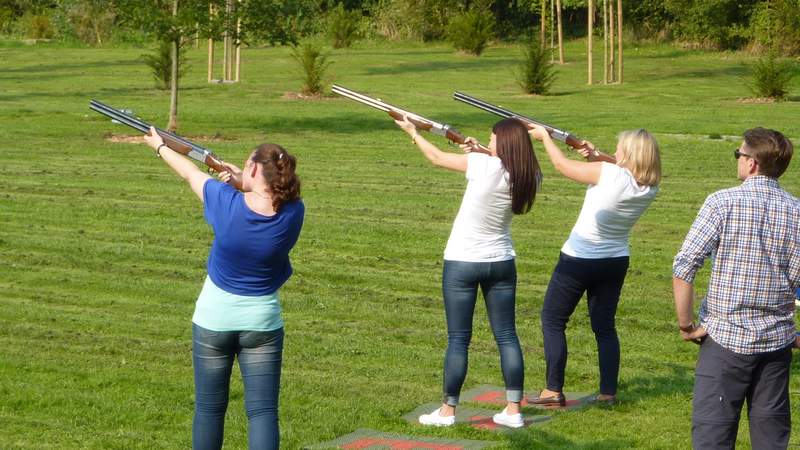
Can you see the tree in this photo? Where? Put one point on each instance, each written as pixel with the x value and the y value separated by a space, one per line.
pixel 171 21
pixel 619 42
pixel 590 35
pixel 560 33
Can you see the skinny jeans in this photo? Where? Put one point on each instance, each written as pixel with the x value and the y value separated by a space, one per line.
pixel 259 354
pixel 601 279
pixel 498 283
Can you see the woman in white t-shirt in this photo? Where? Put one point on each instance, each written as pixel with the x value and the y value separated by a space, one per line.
pixel 480 254
pixel 595 257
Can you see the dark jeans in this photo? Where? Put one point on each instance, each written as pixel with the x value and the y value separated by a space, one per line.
pixel 498 282
pixel 724 380
pixel 602 280
pixel 259 355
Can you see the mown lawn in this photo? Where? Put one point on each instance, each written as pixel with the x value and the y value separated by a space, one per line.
pixel 102 249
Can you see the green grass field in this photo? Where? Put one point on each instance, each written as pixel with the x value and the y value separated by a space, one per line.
pixel 102 248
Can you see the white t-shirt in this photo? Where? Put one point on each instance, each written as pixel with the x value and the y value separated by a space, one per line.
pixel 482 229
pixel 610 209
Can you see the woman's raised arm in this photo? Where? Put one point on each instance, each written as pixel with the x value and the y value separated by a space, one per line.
pixel 182 166
pixel 451 161
pixel 582 172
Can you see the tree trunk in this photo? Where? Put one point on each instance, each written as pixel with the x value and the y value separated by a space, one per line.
pixel 552 30
pixel 560 34
pixel 210 47
pixel 173 94
pixel 605 41
pixel 238 48
pixel 543 30
pixel 619 44
pixel 611 41
pixel 589 40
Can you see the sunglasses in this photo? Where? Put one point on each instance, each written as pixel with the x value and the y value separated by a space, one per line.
pixel 737 154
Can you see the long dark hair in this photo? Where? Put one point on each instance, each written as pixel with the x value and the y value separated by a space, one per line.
pixel 279 173
pixel 515 150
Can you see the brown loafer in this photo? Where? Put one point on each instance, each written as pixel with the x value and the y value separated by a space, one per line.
pixel 605 400
pixel 552 400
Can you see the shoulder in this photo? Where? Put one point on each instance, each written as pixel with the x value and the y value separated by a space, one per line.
pixel 481 163
pixel 213 186
pixel 294 210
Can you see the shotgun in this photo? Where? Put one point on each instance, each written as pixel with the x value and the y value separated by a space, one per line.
pixel 173 141
pixel 420 122
pixel 560 135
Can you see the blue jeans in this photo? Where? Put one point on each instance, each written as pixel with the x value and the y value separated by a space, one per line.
pixel 498 282
pixel 602 280
pixel 260 354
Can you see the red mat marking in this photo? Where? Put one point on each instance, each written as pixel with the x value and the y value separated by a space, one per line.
pixel 397 444
pixel 482 423
pixel 496 397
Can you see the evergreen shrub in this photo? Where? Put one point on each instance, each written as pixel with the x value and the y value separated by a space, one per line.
pixel 771 77
pixel 313 62
pixel 344 27
pixel 471 31
pixel 536 73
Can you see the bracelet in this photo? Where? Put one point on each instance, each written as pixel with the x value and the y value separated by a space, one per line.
pixel 158 149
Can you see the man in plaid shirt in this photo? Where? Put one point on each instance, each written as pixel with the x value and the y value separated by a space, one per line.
pixel 746 322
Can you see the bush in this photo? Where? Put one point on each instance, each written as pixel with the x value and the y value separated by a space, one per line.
pixel 344 27
pixel 38 26
pixel 471 31
pixel 776 27
pixel 160 63
pixel 536 71
pixel 771 77
pixel 413 19
pixel 92 20
pixel 313 63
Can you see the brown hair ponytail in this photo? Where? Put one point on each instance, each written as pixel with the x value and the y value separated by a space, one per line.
pixel 514 148
pixel 279 173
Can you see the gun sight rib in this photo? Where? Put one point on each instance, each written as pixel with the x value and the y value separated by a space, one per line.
pixel 140 125
pixel 175 142
pixel 560 135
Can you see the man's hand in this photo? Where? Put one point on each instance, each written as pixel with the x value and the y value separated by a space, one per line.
pixel 695 334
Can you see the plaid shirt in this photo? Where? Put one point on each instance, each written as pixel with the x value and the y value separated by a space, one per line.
pixel 752 233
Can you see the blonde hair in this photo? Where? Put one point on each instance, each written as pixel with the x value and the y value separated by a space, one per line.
pixel 640 155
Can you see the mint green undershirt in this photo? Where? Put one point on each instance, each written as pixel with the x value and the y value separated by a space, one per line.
pixel 218 310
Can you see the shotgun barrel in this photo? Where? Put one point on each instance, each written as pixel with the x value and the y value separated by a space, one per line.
pixel 173 141
pixel 420 122
pixel 560 135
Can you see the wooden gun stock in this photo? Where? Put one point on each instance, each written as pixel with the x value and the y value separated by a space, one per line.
pixel 173 141
pixel 420 122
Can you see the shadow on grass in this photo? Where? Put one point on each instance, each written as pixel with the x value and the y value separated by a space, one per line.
pixel 49 68
pixel 99 94
pixel 640 389
pixel 436 66
pixel 710 73
pixel 540 439
pixel 358 123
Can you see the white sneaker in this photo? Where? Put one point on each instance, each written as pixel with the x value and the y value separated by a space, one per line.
pixel 509 420
pixel 437 420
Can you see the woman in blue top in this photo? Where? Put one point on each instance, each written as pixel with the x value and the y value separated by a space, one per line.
pixel 238 313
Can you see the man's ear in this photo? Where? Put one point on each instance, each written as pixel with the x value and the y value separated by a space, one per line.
pixel 753 165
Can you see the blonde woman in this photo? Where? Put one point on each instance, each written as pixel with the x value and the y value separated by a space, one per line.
pixel 595 257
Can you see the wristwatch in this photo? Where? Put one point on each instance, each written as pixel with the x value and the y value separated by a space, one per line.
pixel 687 329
